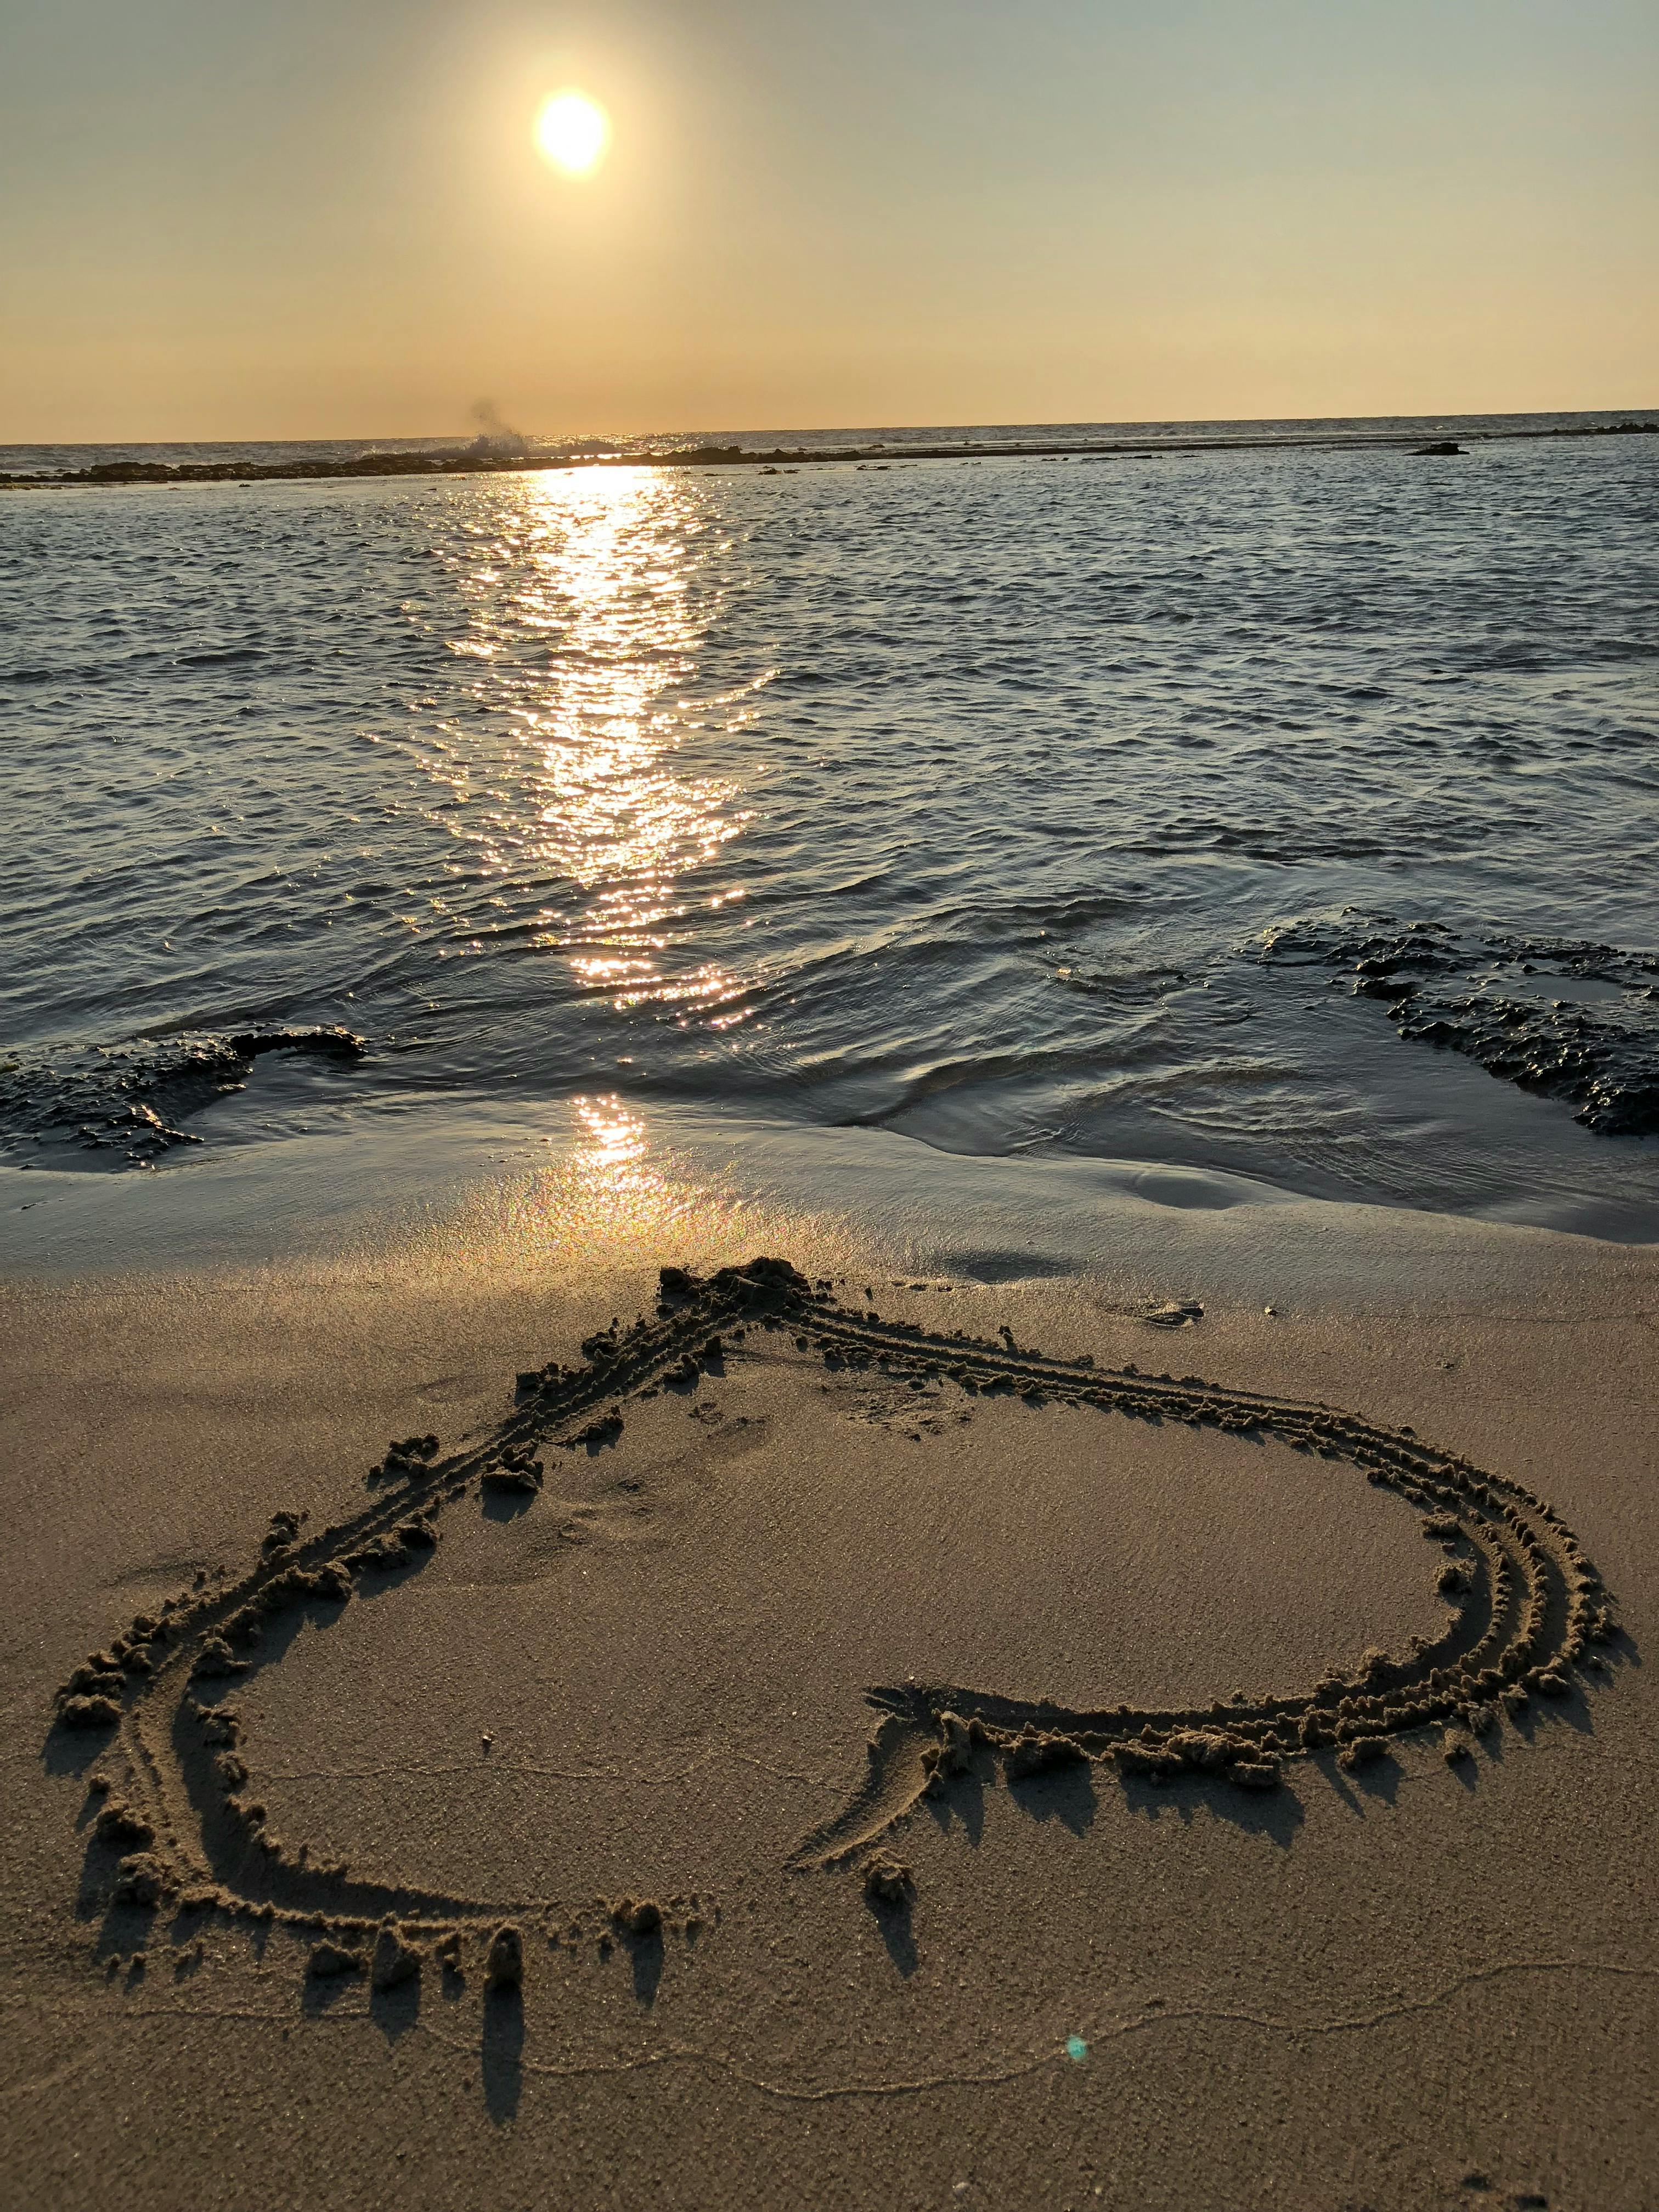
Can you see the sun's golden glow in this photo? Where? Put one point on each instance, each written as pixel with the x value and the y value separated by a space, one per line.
pixel 572 132
pixel 579 828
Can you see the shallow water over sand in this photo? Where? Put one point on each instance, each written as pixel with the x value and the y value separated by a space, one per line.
pixel 1011 806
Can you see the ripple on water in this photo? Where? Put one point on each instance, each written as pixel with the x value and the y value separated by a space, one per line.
pixel 957 798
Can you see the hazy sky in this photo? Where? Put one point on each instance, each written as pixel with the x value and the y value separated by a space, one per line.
pixel 238 218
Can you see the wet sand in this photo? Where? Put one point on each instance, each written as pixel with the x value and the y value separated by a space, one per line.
pixel 1075 1738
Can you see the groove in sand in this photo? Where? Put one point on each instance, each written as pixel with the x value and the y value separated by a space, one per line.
pixel 1527 1610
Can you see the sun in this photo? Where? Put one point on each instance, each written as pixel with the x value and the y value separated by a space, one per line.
pixel 572 132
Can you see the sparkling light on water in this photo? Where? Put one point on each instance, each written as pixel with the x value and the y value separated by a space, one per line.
pixel 957 801
pixel 590 795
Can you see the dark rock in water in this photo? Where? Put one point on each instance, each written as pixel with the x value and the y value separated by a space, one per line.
pixel 123 1103
pixel 1441 446
pixel 1498 999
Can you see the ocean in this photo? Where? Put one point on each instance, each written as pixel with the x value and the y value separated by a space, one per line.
pixel 1277 818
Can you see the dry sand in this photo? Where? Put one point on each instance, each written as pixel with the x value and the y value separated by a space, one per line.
pixel 913 1770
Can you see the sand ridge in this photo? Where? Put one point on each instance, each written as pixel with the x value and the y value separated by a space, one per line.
pixel 179 1824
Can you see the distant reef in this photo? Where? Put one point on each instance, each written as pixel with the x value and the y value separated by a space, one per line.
pixel 494 456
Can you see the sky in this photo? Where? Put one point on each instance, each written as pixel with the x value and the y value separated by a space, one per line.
pixel 253 219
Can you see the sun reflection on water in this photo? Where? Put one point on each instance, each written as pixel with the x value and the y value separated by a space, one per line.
pixel 588 596
pixel 612 1144
pixel 616 1189
pixel 610 1193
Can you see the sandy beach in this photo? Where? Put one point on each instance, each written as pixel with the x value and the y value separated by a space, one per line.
pixel 905 1722
pixel 829 1109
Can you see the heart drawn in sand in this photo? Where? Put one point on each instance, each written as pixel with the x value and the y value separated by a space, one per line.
pixel 1527 1609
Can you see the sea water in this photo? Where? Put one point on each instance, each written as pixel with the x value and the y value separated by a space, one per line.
pixel 1264 814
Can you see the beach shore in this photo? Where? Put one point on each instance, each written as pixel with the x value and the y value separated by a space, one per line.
pixel 625 1707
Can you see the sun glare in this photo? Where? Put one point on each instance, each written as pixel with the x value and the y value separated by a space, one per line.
pixel 572 132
